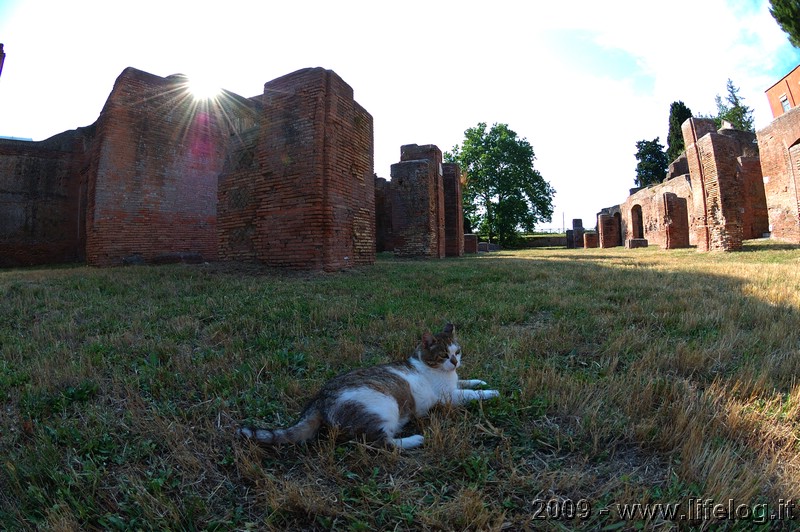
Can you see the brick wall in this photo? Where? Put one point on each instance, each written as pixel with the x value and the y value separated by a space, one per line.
pixel 577 233
pixel 239 188
pixel 676 220
pixel 729 202
pixel 416 197
pixel 779 145
pixel 755 217
pixel 290 172
pixel 590 240
pixel 153 178
pixel 384 238
pixel 609 227
pixel 453 210
pixel 662 212
pixel 304 197
pixel 43 199
pixel 414 215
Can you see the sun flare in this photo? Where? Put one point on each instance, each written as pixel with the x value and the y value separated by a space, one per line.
pixel 203 88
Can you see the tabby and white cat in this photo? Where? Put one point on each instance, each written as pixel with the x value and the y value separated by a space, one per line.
pixel 378 401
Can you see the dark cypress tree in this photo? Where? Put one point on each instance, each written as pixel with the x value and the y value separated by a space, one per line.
pixel 678 114
pixel 652 165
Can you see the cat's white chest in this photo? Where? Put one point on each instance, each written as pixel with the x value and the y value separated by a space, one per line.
pixel 430 387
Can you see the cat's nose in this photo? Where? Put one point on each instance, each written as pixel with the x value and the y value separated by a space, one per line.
pixel 454 361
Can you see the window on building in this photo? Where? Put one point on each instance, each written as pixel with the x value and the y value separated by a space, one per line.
pixel 785 103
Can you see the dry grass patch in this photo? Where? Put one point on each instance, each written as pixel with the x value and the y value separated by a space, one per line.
pixel 627 376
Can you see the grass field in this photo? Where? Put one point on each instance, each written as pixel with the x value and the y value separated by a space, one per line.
pixel 626 377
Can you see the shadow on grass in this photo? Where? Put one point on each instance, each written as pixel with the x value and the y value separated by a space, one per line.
pixel 622 380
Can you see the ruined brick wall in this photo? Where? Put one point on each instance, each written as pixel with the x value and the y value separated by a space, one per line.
pixel 723 192
pixel 306 198
pixel 676 221
pixel 609 227
pixel 679 166
pixel 417 198
pixel 384 240
pixel 153 178
pixel 238 191
pixel 470 243
pixel 717 204
pixel 577 233
pixel 43 199
pixel 729 204
pixel 453 210
pixel 755 217
pixel 694 129
pixel 779 146
pixel 665 216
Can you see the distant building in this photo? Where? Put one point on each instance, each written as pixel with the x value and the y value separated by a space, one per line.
pixel 785 94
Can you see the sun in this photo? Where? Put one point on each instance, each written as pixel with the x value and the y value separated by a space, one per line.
pixel 203 88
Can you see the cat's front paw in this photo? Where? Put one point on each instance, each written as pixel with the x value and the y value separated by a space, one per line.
pixel 483 395
pixel 471 384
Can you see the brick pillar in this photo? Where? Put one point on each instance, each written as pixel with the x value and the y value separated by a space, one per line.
pixel 694 129
pixel 608 231
pixel 676 221
pixel 577 233
pixel 418 211
pixel 719 198
pixel 310 191
pixel 453 210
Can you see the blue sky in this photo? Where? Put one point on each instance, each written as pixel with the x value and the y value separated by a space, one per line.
pixel 582 81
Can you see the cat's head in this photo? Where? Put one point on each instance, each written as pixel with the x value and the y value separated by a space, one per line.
pixel 440 350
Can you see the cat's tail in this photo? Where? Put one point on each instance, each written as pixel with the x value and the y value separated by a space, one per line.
pixel 303 430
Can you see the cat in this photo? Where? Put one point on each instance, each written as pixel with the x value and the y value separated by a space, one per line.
pixel 377 401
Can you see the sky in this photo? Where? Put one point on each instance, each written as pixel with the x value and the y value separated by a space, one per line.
pixel 581 81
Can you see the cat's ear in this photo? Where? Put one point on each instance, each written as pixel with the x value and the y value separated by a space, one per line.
pixel 450 329
pixel 428 340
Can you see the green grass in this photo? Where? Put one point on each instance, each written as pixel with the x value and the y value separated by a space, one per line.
pixel 627 376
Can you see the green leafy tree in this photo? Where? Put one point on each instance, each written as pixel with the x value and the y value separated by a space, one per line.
pixel 678 114
pixel 787 14
pixel 504 193
pixel 734 110
pixel 653 163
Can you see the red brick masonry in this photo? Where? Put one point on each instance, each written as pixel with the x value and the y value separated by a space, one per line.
pixel 285 179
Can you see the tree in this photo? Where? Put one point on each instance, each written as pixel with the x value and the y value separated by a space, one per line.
pixel 678 114
pixel 503 192
pixel 787 14
pixel 653 163
pixel 734 110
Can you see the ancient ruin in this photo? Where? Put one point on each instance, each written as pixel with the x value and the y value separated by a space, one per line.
pixel 727 187
pixel 419 211
pixel 284 178
pixel 779 146
pixel 712 198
